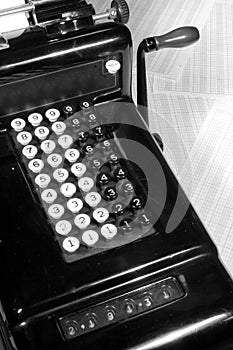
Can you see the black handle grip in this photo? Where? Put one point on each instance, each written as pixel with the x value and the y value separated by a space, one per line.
pixel 179 37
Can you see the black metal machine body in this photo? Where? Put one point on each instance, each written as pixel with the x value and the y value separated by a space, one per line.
pixel 131 277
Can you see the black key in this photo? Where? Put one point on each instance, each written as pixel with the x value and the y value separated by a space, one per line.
pixel 126 225
pixel 88 150
pixel 136 203
pixel 83 136
pixel 120 173
pixel 68 110
pixel 110 193
pixel 103 179
pixel 85 104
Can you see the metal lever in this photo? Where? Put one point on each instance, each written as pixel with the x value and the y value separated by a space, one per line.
pixel 177 38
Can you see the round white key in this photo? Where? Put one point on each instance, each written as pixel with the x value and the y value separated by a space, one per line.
pixel 54 160
pixel 82 221
pixel 48 146
pixel 59 128
pixel 36 165
pixel 86 184
pixel 108 231
pixel 56 211
pixel 63 227
pixel 75 205
pixel 93 199
pixel 42 180
pixel 78 169
pixel 18 124
pixel 68 189
pixel 52 114
pixel 71 244
pixel 49 195
pixel 29 151
pixel 100 215
pixel 61 175
pixel 90 237
pixel 35 119
pixel 41 132
pixel 65 141
pixel 72 155
pixel 24 138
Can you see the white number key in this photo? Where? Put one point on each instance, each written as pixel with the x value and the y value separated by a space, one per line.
pixel 71 244
pixel 24 138
pixel 59 127
pixel 75 205
pixel 108 231
pixel 54 160
pixel 65 141
pixel 36 165
pixel 60 175
pixel 35 119
pixel 90 237
pixel 93 199
pixel 82 221
pixel 29 151
pixel 100 215
pixel 42 180
pixel 68 189
pixel 41 132
pixel 56 211
pixel 49 195
pixel 63 227
pixel 48 146
pixel 18 124
pixel 86 184
pixel 78 169
pixel 52 114
pixel 72 155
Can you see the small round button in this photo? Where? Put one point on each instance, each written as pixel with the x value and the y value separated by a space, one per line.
pixel 35 119
pixel 90 237
pixel 72 155
pixel 24 138
pixel 48 146
pixel 108 231
pixel 110 193
pixel 49 195
pixel 56 211
pixel 63 227
pixel 29 151
pixel 68 189
pixel 54 160
pixel 52 114
pixel 93 199
pixel 103 179
pixel 36 165
pixel 75 205
pixel 41 132
pixel 78 169
pixel 65 141
pixel 71 244
pixel 126 225
pixel 82 221
pixel 113 66
pixel 88 150
pixel 68 110
pixel 136 203
pixel 60 175
pixel 42 180
pixel 100 214
pixel 83 136
pixel 18 124
pixel 86 184
pixel 59 127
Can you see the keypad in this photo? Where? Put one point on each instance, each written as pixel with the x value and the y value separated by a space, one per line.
pixel 81 178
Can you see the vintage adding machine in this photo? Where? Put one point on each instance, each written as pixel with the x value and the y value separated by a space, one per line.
pixel 99 246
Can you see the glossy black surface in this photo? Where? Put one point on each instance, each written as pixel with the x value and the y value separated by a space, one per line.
pixel 38 287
